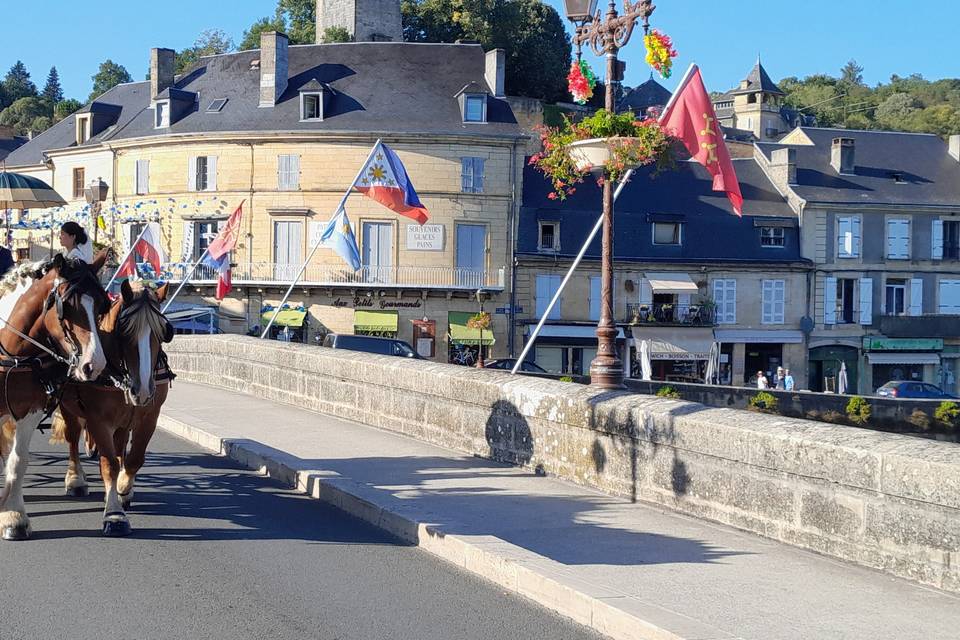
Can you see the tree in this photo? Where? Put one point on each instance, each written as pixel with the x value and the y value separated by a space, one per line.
pixel 65 108
pixel 251 37
pixel 530 31
pixel 851 74
pixel 52 91
pixel 22 114
pixel 895 111
pixel 210 42
pixel 4 102
pixel 336 34
pixel 17 83
pixel 301 15
pixel 109 75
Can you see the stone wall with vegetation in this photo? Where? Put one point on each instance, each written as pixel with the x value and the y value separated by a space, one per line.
pixel 882 500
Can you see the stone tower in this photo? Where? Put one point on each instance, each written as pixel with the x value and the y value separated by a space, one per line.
pixel 366 20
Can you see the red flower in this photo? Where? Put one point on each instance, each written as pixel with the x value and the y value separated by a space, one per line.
pixel 552 195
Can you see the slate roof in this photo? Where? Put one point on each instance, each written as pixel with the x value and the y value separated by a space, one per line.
pixel 930 175
pixel 649 94
pixel 7 145
pixel 758 80
pixel 711 231
pixel 379 87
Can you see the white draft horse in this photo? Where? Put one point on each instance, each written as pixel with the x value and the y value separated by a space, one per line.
pixel 48 335
pixel 126 404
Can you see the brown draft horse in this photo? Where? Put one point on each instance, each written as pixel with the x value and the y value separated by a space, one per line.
pixel 56 305
pixel 128 405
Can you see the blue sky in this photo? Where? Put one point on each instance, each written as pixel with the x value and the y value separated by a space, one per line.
pixel 815 36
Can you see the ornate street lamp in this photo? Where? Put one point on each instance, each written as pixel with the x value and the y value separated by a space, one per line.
pixel 606 36
pixel 95 195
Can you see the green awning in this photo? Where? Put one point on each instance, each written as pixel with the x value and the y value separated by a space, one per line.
pixel 378 321
pixel 460 333
pixel 286 318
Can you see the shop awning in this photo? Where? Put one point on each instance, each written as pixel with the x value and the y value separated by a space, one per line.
pixel 776 336
pixel 675 343
pixel 678 283
pixel 286 318
pixel 379 321
pixel 903 358
pixel 460 333
pixel 573 331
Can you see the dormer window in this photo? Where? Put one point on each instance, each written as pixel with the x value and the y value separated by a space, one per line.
pixel 162 115
pixel 311 106
pixel 83 125
pixel 475 108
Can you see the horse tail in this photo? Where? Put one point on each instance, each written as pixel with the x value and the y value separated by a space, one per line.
pixel 58 434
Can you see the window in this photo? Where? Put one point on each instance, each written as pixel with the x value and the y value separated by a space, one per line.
pixel 471 175
pixel 574 361
pixel 288 172
pixel 771 237
pixel 134 229
pixel 203 173
pixel 217 105
pixel 725 299
pixel 162 114
pixel 595 297
pixel 951 240
pixel 898 239
pixel 204 231
pixel 845 301
pixel 143 177
pixel 895 293
pixel 547 286
pixel 471 254
pixel 773 300
pixel 666 233
pixel 311 106
pixel 950 297
pixel 848 237
pixel 549 236
pixel 78 182
pixel 474 108
pixel 83 129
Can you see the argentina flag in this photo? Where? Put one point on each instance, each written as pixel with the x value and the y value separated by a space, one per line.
pixel 339 236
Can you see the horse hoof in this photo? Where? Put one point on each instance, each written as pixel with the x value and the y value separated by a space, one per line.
pixel 16 532
pixel 116 526
pixel 78 492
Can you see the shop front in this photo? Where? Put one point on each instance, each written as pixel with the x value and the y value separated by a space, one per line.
pixel 378 323
pixel 290 324
pixel 676 354
pixel 895 359
pixel 464 342
pixel 949 363
pixel 568 349
pixel 763 350
pixel 826 363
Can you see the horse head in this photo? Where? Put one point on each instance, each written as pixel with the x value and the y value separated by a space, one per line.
pixel 139 328
pixel 74 301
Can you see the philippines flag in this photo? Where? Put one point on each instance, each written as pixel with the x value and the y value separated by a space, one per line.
pixel 385 180
pixel 148 248
pixel 224 279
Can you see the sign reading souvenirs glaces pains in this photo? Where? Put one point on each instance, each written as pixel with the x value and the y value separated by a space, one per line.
pixel 427 237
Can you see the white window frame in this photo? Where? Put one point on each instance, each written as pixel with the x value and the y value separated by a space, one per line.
pixel 471 174
pixel 849 236
pixel 467 98
pixel 288 176
pixel 161 114
pixel 772 310
pixel 83 128
pixel 887 285
pixel 210 175
pixel 725 300
pixel 303 106
pixel 555 246
pixel 892 252
pixel 773 237
pixel 142 177
pixel 678 235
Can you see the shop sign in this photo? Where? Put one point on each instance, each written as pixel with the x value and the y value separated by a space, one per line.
pixel 427 237
pixel 362 302
pixel 902 344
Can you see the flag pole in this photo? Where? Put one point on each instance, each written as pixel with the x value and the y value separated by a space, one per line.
pixel 133 246
pixel 683 82
pixel 566 279
pixel 186 278
pixel 313 250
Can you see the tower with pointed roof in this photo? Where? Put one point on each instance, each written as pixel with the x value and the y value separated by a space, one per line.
pixel 754 106
pixel 366 20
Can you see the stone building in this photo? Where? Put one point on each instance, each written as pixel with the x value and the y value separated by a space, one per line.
pixel 285 129
pixel 880 218
pixel 756 107
pixel 688 273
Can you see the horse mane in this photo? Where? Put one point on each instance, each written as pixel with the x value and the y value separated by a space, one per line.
pixel 142 313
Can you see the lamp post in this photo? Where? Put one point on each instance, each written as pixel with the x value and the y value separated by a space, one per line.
pixel 606 36
pixel 95 194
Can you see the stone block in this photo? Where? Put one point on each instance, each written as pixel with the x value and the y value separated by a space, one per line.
pixel 834 515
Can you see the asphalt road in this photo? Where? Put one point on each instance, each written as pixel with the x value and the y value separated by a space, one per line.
pixel 221 552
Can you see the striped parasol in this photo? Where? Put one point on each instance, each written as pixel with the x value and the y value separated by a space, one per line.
pixel 18 191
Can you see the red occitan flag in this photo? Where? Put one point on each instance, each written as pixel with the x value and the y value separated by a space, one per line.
pixel 690 117
pixel 226 240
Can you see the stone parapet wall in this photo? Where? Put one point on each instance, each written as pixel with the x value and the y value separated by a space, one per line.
pixel 881 500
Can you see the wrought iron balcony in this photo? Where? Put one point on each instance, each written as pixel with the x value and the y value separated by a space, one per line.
pixel 271 273
pixel 696 315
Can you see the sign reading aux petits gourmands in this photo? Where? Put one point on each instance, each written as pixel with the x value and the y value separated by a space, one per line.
pixel 361 302
pixel 426 237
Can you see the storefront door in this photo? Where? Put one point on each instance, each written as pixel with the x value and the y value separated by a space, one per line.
pixel 762 357
pixel 378 251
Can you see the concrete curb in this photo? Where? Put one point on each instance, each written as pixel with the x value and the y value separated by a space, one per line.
pixel 497 561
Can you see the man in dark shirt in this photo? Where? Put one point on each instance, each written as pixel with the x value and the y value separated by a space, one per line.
pixel 6 260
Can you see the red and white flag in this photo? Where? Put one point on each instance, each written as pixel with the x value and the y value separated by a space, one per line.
pixel 149 249
pixel 690 117
pixel 226 240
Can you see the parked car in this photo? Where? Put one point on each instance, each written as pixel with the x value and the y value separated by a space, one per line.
pixel 508 363
pixel 905 389
pixel 371 344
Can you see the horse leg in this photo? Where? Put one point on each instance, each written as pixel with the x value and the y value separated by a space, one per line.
pixel 75 482
pixel 14 523
pixel 115 522
pixel 134 459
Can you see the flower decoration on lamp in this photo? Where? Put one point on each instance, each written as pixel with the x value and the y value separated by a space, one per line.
pixel 660 52
pixel 581 81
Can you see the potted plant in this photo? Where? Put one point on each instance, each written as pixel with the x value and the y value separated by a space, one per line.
pixel 481 321
pixel 604 144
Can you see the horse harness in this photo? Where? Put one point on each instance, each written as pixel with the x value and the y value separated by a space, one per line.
pixel 118 375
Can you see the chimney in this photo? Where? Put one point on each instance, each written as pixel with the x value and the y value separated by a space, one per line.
pixel 273 67
pixel 955 147
pixel 161 70
pixel 783 166
pixel 496 70
pixel 842 155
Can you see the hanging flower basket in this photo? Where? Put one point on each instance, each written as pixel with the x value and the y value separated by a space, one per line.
pixel 581 81
pixel 605 145
pixel 660 52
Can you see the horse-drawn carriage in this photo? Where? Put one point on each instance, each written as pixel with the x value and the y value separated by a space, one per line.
pixel 97 365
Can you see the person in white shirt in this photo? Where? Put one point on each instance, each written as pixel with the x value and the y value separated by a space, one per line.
pixel 75 242
pixel 761 380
